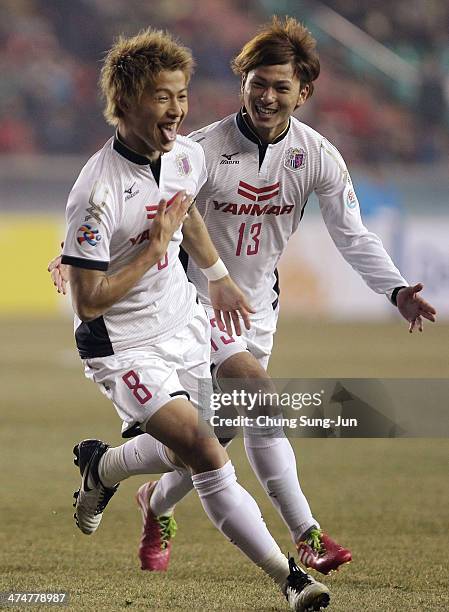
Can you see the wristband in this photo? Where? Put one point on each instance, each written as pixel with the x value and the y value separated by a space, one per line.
pixel 215 272
pixel 394 295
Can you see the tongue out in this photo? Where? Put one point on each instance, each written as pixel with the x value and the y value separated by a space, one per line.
pixel 169 133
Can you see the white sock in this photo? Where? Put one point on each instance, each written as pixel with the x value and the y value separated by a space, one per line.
pixel 170 489
pixel 235 513
pixel 276 566
pixel 272 458
pixel 141 455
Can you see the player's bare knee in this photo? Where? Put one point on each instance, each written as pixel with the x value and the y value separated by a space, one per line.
pixel 244 367
pixel 243 372
pixel 205 454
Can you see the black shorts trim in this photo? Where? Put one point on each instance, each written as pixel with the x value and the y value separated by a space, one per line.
pixel 133 431
pixel 184 258
pixel 276 289
pixel 176 393
pixel 92 339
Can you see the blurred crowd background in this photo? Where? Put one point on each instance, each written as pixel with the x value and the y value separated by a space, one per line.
pixel 50 54
pixel 382 98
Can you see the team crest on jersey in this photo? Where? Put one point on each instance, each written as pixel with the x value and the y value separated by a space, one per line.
pixel 88 234
pixel 295 159
pixel 351 200
pixel 183 164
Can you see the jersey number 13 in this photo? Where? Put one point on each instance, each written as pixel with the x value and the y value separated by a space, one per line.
pixel 252 242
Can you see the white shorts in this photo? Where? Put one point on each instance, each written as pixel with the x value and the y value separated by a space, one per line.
pixel 140 381
pixel 258 340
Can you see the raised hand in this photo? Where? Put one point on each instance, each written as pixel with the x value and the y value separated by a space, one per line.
pixel 413 308
pixel 229 304
pixel 169 217
pixel 59 273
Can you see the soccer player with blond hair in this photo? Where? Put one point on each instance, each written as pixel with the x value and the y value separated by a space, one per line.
pixel 143 336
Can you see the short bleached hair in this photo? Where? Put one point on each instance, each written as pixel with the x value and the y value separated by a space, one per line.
pixel 133 64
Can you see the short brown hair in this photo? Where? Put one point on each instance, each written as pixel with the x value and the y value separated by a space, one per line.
pixel 132 64
pixel 281 41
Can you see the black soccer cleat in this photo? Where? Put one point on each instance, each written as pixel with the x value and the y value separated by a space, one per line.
pixel 304 593
pixel 92 497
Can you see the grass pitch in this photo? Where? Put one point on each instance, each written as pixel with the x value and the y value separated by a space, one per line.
pixel 385 499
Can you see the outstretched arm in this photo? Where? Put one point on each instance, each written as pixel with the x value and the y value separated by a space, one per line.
pixel 362 249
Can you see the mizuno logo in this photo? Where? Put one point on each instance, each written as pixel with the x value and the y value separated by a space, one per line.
pixel 231 155
pixel 258 194
pixel 228 158
pixel 130 193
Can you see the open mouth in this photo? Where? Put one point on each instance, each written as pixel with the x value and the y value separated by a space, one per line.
pixel 265 112
pixel 169 131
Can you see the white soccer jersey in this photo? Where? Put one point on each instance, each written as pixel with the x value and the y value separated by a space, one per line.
pixel 252 211
pixel 109 213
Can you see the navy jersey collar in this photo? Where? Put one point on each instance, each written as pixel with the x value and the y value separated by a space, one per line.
pixel 128 153
pixel 248 132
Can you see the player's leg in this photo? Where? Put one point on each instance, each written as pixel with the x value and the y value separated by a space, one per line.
pixel 140 386
pixel 157 500
pixel 269 451
pixel 142 397
pixel 138 383
pixel 229 506
pixel 273 460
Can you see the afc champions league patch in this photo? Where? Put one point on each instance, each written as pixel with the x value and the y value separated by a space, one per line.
pixel 183 164
pixel 88 235
pixel 295 159
pixel 351 199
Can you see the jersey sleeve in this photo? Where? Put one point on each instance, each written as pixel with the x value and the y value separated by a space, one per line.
pixel 90 223
pixel 203 172
pixel 340 209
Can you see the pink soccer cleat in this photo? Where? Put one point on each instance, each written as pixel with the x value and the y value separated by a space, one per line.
pixel 157 532
pixel 321 553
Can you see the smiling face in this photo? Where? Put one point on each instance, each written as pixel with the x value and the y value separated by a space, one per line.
pixel 150 125
pixel 270 95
